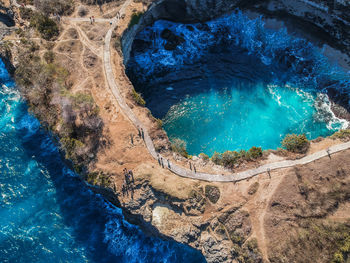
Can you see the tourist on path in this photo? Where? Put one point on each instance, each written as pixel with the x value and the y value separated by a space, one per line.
pixel 168 163
pixel 139 132
pixel 132 176
pixel 132 138
pixel 142 134
pixel 194 168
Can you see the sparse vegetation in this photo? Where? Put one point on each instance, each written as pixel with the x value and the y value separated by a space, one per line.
pixel 230 158
pixel 296 143
pixel 25 13
pixel 179 146
pixel 159 123
pixel 317 241
pixel 47 27
pixel 98 178
pixel 60 7
pixel 341 135
pixel 204 157
pixel 72 116
pixel 138 98
pixel 49 57
pixel 82 11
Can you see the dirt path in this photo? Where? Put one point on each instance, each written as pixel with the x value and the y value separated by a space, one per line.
pixel 169 164
pixel 106 57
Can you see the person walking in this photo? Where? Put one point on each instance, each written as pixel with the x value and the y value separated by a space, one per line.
pixel 131 174
pixel 194 168
pixel 90 20
pixel 132 138
pixel 138 128
pixel 161 160
pixel 190 166
pixel 168 164
pixel 142 133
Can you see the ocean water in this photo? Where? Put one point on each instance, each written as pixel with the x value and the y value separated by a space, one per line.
pixel 233 84
pixel 48 215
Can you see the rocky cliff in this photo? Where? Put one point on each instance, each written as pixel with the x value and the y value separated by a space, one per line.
pixel 330 17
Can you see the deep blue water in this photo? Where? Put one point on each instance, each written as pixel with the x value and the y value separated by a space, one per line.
pixel 48 215
pixel 233 84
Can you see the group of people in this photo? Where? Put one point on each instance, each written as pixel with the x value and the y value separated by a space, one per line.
pixel 92 20
pixel 128 183
pixel 193 167
pixel 161 163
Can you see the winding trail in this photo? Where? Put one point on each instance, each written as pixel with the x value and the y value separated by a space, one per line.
pixel 178 169
pixel 107 64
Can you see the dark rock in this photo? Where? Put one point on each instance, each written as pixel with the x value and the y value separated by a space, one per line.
pixel 190 28
pixel 166 34
pixel 212 193
pixel 203 27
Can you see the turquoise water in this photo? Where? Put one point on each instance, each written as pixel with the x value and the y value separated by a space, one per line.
pixel 48 215
pixel 233 84
pixel 244 116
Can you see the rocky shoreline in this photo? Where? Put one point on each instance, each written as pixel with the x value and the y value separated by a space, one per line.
pixel 222 228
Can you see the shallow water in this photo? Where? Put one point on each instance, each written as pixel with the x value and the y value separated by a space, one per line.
pixel 233 84
pixel 48 214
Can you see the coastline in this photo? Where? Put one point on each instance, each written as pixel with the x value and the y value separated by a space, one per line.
pixel 139 212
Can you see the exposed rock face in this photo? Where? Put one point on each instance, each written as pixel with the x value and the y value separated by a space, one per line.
pixel 331 17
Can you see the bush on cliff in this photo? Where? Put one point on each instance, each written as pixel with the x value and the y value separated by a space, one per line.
pixel 341 135
pixel 179 146
pixel 135 18
pixel 296 143
pixel 74 117
pixel 230 158
pixel 47 27
pixel 138 98
pixel 60 7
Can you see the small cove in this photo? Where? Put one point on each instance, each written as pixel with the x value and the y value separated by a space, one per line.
pixel 232 83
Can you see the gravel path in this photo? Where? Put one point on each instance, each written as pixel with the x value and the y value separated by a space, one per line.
pixel 148 141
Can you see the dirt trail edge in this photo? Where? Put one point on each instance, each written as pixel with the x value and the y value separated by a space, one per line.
pixel 180 170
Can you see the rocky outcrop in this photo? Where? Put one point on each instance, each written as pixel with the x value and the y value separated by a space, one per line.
pixel 330 17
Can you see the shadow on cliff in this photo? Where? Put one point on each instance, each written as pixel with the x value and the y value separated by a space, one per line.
pixel 88 214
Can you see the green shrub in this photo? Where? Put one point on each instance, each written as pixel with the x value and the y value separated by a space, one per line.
pixel 135 18
pixel 70 146
pixel 255 152
pixel 49 57
pixel 25 13
pixel 217 158
pixel 229 158
pixel 296 143
pixel 159 123
pixel 179 146
pixel 204 157
pixel 338 258
pixel 138 98
pixel 341 134
pixel 45 25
